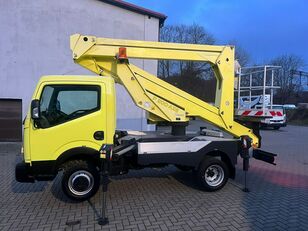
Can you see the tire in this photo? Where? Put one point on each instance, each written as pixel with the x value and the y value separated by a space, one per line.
pixel 80 180
pixel 184 168
pixel 205 177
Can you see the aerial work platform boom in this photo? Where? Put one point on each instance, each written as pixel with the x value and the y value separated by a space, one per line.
pixel 163 101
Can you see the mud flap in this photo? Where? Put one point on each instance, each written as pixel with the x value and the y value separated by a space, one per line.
pixel 267 157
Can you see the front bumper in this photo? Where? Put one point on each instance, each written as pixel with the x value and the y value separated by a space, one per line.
pixel 274 124
pixel 23 172
pixel 39 170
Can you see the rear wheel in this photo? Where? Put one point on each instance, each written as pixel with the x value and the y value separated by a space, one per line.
pixel 80 180
pixel 212 174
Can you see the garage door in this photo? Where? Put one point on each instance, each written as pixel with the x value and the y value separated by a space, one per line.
pixel 10 120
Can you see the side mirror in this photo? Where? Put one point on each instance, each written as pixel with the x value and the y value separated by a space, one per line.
pixel 35 109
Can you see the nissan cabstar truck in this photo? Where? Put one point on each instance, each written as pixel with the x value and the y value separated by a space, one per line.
pixel 71 123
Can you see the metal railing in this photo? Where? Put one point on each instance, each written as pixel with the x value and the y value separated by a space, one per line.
pixel 257 79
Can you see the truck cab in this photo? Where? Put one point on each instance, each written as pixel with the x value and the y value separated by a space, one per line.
pixel 68 114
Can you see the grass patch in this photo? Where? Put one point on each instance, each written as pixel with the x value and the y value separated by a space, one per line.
pixel 298 117
pixel 299 122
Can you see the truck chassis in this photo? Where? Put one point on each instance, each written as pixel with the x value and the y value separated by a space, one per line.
pixel 212 159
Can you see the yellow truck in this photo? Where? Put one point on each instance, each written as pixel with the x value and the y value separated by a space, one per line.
pixel 71 123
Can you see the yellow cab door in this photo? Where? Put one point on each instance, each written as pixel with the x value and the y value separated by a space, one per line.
pixel 72 114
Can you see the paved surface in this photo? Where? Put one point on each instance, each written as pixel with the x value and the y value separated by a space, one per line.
pixel 168 199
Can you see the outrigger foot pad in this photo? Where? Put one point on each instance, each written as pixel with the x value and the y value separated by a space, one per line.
pixel 103 221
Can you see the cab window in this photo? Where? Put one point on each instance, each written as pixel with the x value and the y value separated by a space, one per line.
pixel 62 103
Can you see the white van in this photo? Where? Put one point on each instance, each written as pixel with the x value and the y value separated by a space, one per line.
pixel 279 118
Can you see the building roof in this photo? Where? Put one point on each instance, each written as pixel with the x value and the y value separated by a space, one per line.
pixel 137 9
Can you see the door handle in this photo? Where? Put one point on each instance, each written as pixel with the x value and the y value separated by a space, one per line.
pixel 98 135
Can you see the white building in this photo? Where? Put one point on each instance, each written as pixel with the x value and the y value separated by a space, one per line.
pixel 34 41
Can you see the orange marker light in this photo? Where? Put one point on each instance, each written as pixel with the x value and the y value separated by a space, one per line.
pixel 122 53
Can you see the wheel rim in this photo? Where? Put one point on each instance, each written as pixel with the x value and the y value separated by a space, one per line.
pixel 214 175
pixel 81 182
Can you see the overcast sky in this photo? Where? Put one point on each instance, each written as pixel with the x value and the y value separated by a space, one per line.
pixel 264 28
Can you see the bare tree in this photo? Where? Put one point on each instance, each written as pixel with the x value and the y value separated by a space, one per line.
pixel 167 34
pixel 193 34
pixel 198 35
pixel 192 77
pixel 241 55
pixel 290 88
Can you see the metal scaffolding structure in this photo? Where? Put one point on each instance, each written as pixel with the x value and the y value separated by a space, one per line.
pixel 256 80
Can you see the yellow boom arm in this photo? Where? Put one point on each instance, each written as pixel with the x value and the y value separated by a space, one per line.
pixel 163 101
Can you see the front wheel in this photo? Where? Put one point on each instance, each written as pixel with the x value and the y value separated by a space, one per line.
pixel 80 180
pixel 212 174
